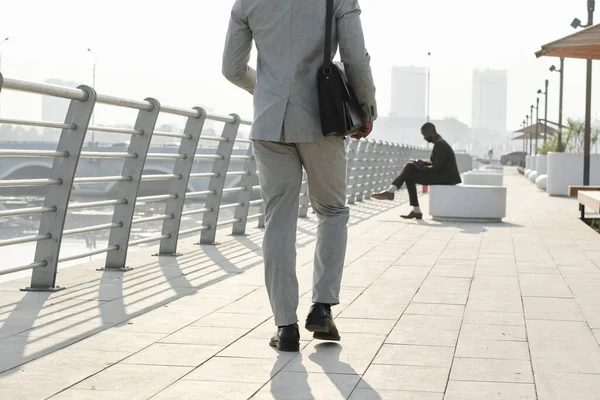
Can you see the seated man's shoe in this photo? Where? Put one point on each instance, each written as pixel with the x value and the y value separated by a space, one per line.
pixel 413 215
pixel 320 322
pixel 287 338
pixel 383 196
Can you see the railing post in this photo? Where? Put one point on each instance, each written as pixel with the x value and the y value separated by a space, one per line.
pixel 43 279
pixel 217 182
pixel 178 188
pixel 362 170
pixel 371 170
pixel 381 170
pixel 351 176
pixel 247 182
pixel 304 200
pixel 128 190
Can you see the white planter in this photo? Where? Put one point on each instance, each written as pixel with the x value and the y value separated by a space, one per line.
pixel 541 163
pixel 566 169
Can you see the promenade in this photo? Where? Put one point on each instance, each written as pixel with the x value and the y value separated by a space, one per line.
pixel 430 311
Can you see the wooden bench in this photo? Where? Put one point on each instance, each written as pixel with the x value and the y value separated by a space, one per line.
pixel 589 199
pixel 573 190
pixel 587 196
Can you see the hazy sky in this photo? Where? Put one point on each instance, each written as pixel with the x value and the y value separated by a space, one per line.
pixel 172 51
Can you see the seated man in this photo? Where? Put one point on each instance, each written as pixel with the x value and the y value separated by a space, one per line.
pixel 441 170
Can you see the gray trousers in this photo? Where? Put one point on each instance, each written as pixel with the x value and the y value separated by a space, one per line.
pixel 280 173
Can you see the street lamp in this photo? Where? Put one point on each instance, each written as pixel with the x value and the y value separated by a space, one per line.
pixel 428 82
pixel 524 125
pixel 560 101
pixel 591 5
pixel 525 133
pixel 531 139
pixel 94 86
pixel 537 123
pixel 545 93
pixel 1 45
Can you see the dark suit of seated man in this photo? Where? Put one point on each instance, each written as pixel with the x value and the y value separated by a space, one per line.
pixel 440 170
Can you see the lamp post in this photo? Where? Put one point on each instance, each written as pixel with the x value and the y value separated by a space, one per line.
pixel 525 133
pixel 428 82
pixel 591 5
pixel 560 101
pixel 531 139
pixel 537 123
pixel 545 93
pixel 1 45
pixel 94 86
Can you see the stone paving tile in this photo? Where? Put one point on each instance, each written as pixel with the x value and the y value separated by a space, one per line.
pixel 373 326
pixel 408 378
pixel 302 385
pixel 352 356
pixel 205 335
pixel 372 394
pixel 491 370
pixel 451 310
pixel 140 380
pixel 183 355
pixel 235 369
pixel 424 356
pixel 563 347
pixel 85 394
pixel 493 318
pixel 492 349
pixel 453 271
pixel 252 347
pixel 208 390
pixel 558 309
pixel 567 386
pixel 490 391
pixel 444 291
pixel 493 332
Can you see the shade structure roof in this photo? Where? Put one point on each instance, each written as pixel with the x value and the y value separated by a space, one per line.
pixel 584 44
pixel 529 131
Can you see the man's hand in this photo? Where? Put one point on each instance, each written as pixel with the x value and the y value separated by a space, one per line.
pixel 364 132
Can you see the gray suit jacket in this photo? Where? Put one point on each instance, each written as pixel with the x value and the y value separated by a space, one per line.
pixel 290 37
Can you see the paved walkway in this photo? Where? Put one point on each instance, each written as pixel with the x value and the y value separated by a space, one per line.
pixel 429 311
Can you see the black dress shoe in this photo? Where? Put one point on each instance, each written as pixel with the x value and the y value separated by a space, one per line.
pixel 413 215
pixel 383 196
pixel 287 338
pixel 320 322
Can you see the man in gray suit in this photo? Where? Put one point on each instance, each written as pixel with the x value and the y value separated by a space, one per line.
pixel 286 136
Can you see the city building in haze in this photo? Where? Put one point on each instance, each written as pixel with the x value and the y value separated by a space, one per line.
pixel 408 131
pixel 489 101
pixel 409 92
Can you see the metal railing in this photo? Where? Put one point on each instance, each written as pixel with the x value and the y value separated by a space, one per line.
pixel 371 166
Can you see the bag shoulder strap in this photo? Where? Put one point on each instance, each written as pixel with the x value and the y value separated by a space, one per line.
pixel 328 34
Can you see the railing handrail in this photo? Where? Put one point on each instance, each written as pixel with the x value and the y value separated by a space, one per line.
pixel 81 95
pixel 372 164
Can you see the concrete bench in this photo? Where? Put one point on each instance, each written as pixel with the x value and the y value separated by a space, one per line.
pixel 487 171
pixel 467 203
pixel 478 178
